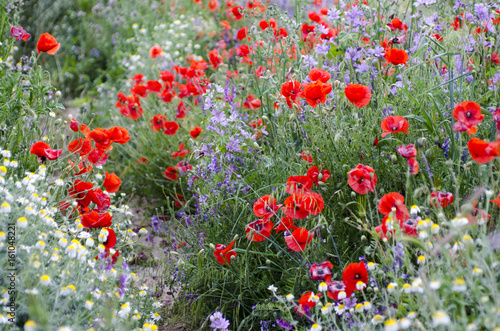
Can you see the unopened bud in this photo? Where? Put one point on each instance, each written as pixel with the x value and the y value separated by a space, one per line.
pixel 255 144
pixel 212 246
pixel 353 194
pixel 420 142
pixel 201 251
pixel 292 117
pixel 268 262
pixel 58 94
pixel 394 158
pixel 232 257
pixel 336 83
pixel 58 121
pixel 235 237
pixel 265 118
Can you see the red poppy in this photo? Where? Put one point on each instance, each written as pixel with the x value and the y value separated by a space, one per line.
pixel 237 12
pixel 306 156
pixel 155 51
pixel 313 203
pixel 100 137
pixel 158 122
pixel 214 58
pixel 396 24
pixel 496 201
pixel 76 126
pixel 291 91
pixel 413 165
pixel 242 33
pixel 251 102
pixel 410 228
pixel 196 132
pixel 80 146
pixel 110 241
pixel 394 200
pixel 118 135
pixel 295 208
pixel 468 115
pixel 286 224
pixel 171 173
pixel 358 94
pixel 396 56
pixel 98 157
pixel 353 274
pixel 362 179
pixel 437 36
pixel 316 92
pixel 47 44
pixel 321 271
pixel 95 220
pixel 482 151
pixel 306 303
pixel 335 289
pixel 319 74
pixel 171 128
pixel 385 228
pixel 181 110
pixel 407 151
pixel 394 124
pixel 153 86
pixel 112 182
pixel 100 198
pixel 183 166
pixel 180 153
pixel 224 253
pixel 313 16
pixel 43 151
pixel 265 207
pixel 79 191
pixel 259 230
pixel 299 239
pixel 299 184
pixel 442 198
pixel 313 173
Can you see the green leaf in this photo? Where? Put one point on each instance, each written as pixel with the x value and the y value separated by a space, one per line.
pixel 334 51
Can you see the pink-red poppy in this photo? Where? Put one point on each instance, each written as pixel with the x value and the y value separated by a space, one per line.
pixel 259 230
pixel 265 207
pixel 482 151
pixel 316 92
pixel 353 274
pixel 155 51
pixel 96 220
pixel 335 289
pixel 286 224
pixel 171 173
pixel 321 271
pixel 358 94
pixel 468 115
pixel 80 146
pixel 413 165
pixel 299 239
pixel 299 184
pixel 394 200
pixel 441 198
pixel 407 151
pixel 47 43
pixel 362 179
pixel 394 124
pixel 171 128
pixel 223 253
pixel 313 173
pixel 43 151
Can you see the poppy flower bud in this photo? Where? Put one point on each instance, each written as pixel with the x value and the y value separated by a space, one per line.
pixel 232 257
pixel 32 113
pixel 324 112
pixel 353 194
pixel 394 158
pixel 212 246
pixel 321 184
pixel 363 238
pixel 265 118
pixel 292 117
pixel 58 94
pixel 489 193
pixel 235 237
pixel 449 162
pixel 58 121
pixel 201 251
pixel 268 262
pixel 62 136
pixel 256 144
pixel 420 142
pixel 428 153
pixel 388 28
pixel 336 83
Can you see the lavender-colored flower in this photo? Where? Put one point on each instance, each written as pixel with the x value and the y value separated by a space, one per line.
pixel 218 321
pixel 431 20
pixel 353 54
pixel 482 11
pixel 334 14
pixel 284 324
pixel 419 3
pixel 377 51
pixel 309 62
pixel 322 48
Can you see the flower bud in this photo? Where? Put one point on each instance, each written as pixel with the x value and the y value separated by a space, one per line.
pixel 58 122
pixel 58 94
pixel 268 262
pixel 212 246
pixel 336 83
pixel 420 142
pixel 394 158
pixel 292 117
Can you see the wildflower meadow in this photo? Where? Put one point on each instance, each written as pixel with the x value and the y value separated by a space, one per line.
pixel 249 165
